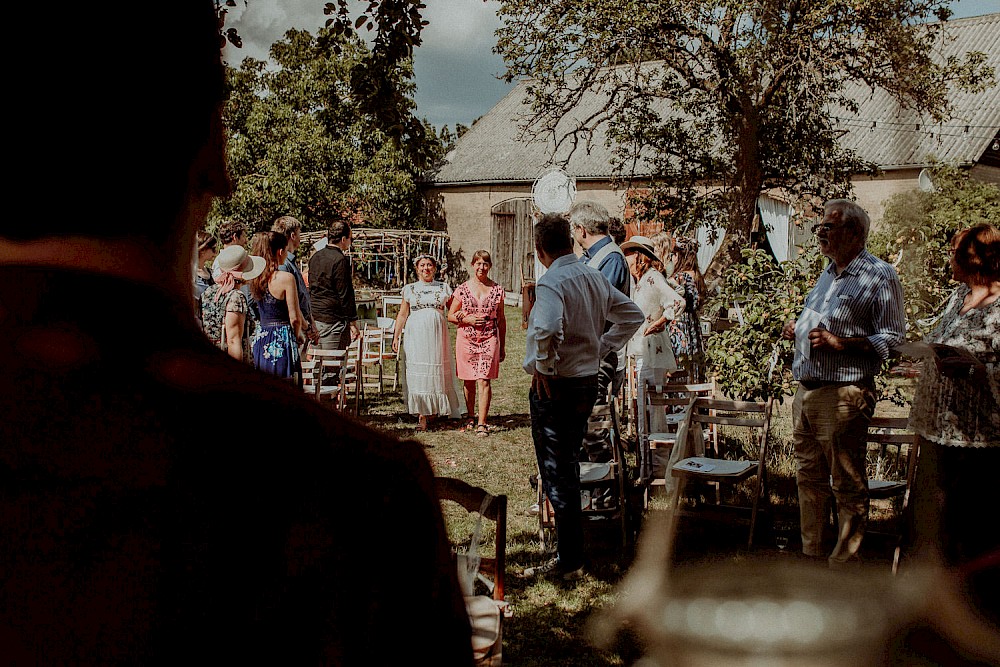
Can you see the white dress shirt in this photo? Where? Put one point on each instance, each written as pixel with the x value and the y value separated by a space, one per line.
pixel 572 303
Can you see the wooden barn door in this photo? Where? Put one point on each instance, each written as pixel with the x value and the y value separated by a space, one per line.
pixel 513 246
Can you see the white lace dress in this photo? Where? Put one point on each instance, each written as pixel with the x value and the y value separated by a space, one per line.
pixel 653 354
pixel 956 411
pixel 430 369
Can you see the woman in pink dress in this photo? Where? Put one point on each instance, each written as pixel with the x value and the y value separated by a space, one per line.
pixel 477 309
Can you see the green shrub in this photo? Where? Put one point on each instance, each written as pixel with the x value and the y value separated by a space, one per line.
pixel 767 294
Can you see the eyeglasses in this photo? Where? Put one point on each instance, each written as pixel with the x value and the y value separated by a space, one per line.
pixel 826 227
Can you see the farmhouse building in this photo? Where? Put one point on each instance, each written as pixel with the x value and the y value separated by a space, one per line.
pixel 485 188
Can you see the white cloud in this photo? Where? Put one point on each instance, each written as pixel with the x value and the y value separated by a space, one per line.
pixel 458 25
pixel 455 66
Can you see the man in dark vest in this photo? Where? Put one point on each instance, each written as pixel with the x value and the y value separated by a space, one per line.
pixel 589 223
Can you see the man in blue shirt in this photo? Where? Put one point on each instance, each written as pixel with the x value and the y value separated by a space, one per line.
pixel 292 229
pixel 851 319
pixel 577 318
pixel 589 224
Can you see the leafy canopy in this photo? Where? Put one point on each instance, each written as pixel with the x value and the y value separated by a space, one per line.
pixel 915 235
pixel 300 143
pixel 750 360
pixel 739 95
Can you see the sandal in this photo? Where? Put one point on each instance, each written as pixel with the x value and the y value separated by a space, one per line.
pixel 469 427
pixel 482 430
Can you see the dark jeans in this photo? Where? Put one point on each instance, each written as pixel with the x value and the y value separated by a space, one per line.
pixel 597 445
pixel 558 425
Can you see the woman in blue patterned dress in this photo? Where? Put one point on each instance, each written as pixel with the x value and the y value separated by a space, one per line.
pixel 680 257
pixel 277 339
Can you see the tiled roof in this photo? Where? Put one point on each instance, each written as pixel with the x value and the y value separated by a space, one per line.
pixel 493 150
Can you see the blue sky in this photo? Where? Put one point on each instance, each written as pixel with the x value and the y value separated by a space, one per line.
pixel 456 69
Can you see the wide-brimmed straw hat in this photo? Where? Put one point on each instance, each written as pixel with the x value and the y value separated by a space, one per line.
pixel 236 258
pixel 643 245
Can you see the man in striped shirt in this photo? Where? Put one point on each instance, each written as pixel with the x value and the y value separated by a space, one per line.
pixel 850 321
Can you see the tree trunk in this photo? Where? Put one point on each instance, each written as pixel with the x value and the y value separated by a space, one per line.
pixel 742 200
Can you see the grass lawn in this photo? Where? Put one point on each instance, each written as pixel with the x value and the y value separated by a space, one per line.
pixel 549 622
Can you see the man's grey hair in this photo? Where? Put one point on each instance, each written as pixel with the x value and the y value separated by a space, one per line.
pixel 286 224
pixel 590 215
pixel 850 213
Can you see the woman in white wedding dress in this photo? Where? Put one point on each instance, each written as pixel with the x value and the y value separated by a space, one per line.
pixel 430 371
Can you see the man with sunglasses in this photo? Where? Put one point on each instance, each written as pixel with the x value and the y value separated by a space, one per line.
pixel 851 319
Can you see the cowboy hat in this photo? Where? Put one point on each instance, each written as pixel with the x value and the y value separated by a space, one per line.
pixel 640 244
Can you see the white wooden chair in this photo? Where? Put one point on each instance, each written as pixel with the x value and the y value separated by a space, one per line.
pixel 324 376
pixel 376 350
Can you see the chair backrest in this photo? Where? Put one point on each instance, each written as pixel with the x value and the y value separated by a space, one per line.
pixel 328 374
pixel 754 415
pixel 373 345
pixel 672 394
pixel 471 498
pixel 387 323
pixel 892 456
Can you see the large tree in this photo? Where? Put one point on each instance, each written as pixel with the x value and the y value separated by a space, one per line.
pixel 915 235
pixel 301 142
pixel 737 95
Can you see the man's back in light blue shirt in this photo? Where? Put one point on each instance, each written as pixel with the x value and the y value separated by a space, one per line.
pixel 566 336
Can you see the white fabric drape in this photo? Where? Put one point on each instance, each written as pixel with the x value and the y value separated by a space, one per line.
pixel 706 250
pixel 776 216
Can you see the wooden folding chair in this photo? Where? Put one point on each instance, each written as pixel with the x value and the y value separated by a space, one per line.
pixel 670 399
pixel 605 488
pixel 726 465
pixel 479 572
pixel 892 455
pixel 376 349
pixel 388 327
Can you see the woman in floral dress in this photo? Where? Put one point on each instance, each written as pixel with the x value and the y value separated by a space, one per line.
pixel 680 266
pixel 649 347
pixel 430 383
pixel 477 311
pixel 956 415
pixel 225 310
pixel 277 340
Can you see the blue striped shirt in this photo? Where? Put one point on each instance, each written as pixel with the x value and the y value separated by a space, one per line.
pixel 865 300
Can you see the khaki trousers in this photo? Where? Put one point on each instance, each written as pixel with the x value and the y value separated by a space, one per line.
pixel 830 425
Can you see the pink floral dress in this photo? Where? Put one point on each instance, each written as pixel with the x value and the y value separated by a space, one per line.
pixel 477 348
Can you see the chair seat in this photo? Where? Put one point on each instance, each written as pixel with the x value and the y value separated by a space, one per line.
pixel 884 488
pixel 696 465
pixel 594 472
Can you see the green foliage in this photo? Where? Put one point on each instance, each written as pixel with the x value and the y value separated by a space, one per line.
pixel 397 25
pixel 768 294
pixel 299 144
pixel 740 94
pixel 915 235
